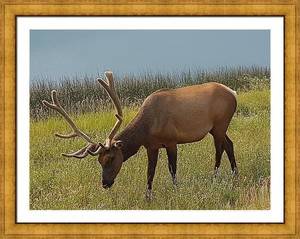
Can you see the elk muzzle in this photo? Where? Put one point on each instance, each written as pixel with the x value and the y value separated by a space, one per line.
pixel 107 183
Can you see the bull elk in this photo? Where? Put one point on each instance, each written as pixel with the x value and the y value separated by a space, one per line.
pixel 165 119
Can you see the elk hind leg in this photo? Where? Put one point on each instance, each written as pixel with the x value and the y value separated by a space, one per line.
pixel 228 145
pixel 219 139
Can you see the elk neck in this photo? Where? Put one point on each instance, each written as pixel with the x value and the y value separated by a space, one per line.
pixel 133 137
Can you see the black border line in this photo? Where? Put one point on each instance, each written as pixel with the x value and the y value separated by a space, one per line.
pixel 166 223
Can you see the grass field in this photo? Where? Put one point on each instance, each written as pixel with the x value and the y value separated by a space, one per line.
pixel 57 182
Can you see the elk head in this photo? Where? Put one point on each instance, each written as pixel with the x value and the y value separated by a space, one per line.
pixel 109 154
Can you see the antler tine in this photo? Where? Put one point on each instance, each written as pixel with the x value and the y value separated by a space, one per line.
pixel 81 153
pixel 116 100
pixel 66 136
pixel 115 128
pixel 92 149
pixel 56 106
pixel 111 91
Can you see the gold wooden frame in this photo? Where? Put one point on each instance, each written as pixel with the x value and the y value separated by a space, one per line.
pixel 10 9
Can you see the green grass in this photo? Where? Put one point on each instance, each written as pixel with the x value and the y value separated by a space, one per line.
pixel 57 182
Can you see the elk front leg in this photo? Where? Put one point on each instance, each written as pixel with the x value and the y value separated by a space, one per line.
pixel 172 162
pixel 152 161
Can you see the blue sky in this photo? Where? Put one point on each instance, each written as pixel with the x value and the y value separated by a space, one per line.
pixel 58 53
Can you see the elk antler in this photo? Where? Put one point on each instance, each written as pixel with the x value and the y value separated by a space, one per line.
pixel 111 91
pixel 91 148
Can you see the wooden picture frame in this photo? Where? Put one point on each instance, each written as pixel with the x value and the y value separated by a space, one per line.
pixel 10 10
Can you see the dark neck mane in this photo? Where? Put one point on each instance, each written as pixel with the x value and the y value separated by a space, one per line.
pixel 132 137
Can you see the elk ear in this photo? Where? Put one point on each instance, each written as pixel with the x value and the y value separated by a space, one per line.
pixel 118 144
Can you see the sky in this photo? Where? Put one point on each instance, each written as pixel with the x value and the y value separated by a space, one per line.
pixel 58 53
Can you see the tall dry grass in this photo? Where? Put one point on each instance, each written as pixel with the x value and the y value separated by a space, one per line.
pixel 82 95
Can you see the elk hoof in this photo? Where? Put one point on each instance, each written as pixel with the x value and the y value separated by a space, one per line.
pixel 235 172
pixel 149 195
pixel 216 173
pixel 175 184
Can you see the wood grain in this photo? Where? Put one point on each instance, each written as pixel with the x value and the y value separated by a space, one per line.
pixel 11 9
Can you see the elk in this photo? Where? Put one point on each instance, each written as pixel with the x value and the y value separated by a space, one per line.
pixel 166 118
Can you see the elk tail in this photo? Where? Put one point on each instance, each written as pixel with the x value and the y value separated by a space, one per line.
pixel 232 91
